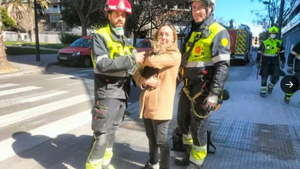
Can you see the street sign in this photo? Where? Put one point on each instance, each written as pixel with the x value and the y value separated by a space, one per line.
pixel 289 84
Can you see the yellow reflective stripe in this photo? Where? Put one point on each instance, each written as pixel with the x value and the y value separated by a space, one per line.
pixel 187 139
pixel 289 94
pixel 263 89
pixel 241 42
pixel 198 154
pixel 108 154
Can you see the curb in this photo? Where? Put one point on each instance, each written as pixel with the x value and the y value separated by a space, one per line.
pixel 36 69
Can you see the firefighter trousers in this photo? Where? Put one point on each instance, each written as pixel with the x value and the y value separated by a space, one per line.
pixel 189 123
pixel 107 115
pixel 270 67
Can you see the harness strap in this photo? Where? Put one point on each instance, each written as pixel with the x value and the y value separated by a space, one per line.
pixel 193 101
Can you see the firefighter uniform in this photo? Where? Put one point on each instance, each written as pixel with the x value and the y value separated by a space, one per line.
pixel 294 66
pixel 113 61
pixel 207 56
pixel 270 58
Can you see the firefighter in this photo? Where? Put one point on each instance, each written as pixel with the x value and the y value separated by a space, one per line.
pixel 113 61
pixel 271 58
pixel 204 70
pixel 293 67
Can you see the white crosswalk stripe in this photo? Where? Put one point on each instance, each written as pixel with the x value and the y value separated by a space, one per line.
pixel 5 85
pixel 41 110
pixel 18 90
pixel 30 98
pixel 50 130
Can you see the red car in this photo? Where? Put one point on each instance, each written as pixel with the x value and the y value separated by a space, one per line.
pixel 78 53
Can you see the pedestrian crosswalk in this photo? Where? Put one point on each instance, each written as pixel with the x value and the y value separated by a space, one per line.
pixel 21 104
pixel 41 110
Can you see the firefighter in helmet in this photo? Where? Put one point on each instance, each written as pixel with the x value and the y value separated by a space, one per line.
pixel 204 70
pixel 271 58
pixel 114 61
pixel 293 68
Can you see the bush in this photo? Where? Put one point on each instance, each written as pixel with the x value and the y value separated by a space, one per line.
pixel 8 22
pixel 67 38
pixel 26 51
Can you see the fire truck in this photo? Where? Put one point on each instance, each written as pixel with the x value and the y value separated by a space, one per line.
pixel 240 45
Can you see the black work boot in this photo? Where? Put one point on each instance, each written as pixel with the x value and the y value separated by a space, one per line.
pixel 185 161
pixel 286 99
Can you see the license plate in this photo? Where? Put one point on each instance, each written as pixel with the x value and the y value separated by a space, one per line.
pixel 63 57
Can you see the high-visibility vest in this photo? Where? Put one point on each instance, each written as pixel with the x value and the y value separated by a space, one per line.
pixel 201 51
pixel 272 47
pixel 115 48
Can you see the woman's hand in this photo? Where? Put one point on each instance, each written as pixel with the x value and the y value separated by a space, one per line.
pixel 139 57
pixel 151 83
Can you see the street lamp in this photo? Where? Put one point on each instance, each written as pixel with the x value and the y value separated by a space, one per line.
pixel 36 30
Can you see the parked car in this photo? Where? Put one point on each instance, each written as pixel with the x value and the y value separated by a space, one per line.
pixel 143 45
pixel 78 53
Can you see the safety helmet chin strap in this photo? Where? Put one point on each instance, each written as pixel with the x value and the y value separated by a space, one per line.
pixel 211 12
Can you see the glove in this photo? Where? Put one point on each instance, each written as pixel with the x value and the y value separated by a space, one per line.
pixel 211 102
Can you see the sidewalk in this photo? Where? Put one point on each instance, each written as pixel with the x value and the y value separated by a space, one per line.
pixel 28 64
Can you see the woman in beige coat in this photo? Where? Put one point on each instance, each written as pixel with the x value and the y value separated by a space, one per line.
pixel 157 79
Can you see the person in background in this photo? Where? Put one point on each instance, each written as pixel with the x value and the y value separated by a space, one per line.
pixel 293 67
pixel 271 58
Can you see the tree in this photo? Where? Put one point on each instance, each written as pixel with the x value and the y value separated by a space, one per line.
pixel 5 66
pixel 147 14
pixel 23 13
pixel 84 13
pixel 17 10
pixel 150 14
pixel 8 22
pixel 277 12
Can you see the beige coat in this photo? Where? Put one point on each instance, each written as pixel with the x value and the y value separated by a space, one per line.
pixel 157 104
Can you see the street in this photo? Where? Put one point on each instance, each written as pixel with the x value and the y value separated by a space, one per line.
pixel 45 124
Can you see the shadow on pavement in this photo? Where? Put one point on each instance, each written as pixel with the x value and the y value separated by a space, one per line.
pixel 54 153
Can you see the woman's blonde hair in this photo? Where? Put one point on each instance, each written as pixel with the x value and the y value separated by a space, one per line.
pixel 155 38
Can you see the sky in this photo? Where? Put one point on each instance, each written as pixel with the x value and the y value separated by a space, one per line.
pixel 240 12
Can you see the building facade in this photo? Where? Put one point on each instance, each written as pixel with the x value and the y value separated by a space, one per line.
pixel 291 31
